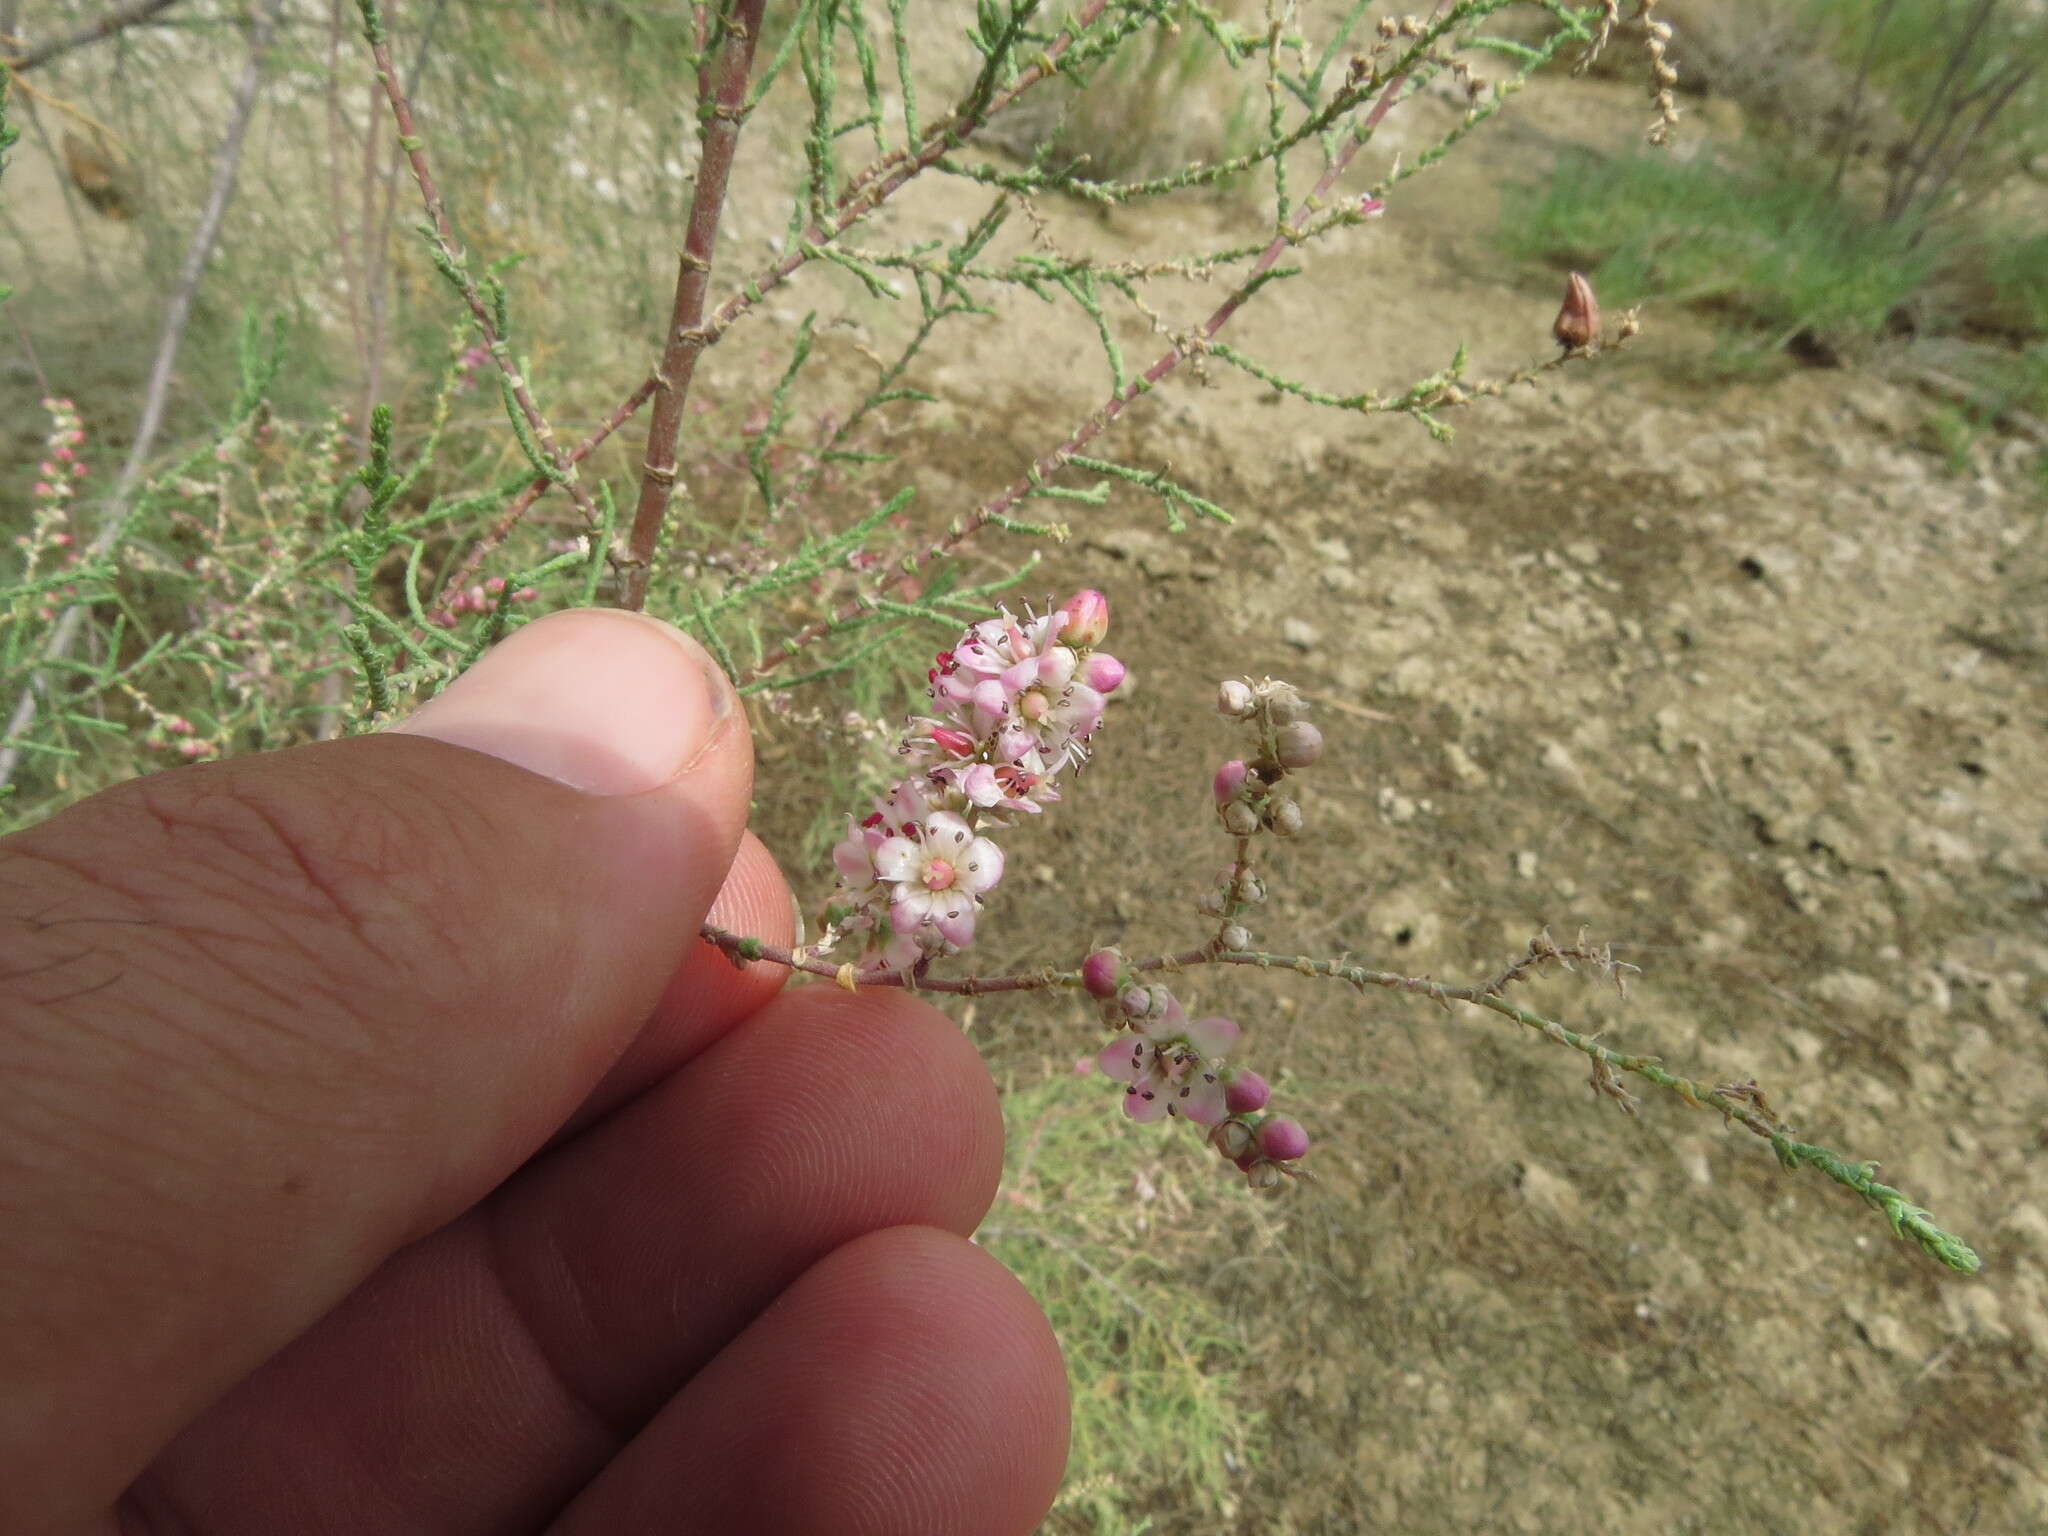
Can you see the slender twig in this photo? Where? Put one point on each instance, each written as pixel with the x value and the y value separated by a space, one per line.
pixel 114 21
pixel 867 191
pixel 721 116
pixel 1099 421
pixel 1742 1102
pixel 227 162
pixel 562 468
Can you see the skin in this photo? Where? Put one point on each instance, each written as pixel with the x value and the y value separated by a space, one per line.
pixel 380 1150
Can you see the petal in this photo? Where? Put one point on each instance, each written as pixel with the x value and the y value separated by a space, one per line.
pixel 898 859
pixel 1202 1101
pixel 1212 1037
pixel 946 834
pixel 910 909
pixel 955 922
pixel 1123 1059
pixel 979 867
pixel 1144 1106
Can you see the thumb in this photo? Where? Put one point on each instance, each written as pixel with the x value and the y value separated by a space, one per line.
pixel 263 1021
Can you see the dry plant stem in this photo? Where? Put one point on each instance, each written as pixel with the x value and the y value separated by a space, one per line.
pixel 1740 1103
pixel 444 236
pixel 687 336
pixel 227 161
pixel 1051 462
pixel 92 32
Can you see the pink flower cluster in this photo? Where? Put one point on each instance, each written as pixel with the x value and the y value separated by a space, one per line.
pixel 1015 702
pixel 1171 1065
pixel 56 487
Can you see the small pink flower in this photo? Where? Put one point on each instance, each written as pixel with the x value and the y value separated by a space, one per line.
pixel 1171 1067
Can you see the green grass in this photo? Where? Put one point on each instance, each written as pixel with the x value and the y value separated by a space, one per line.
pixel 1099 1218
pixel 1768 248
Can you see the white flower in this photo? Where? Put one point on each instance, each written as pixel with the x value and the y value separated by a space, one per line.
pixel 939 876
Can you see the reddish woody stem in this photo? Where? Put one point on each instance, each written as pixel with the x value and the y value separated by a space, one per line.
pixel 866 192
pixel 517 509
pixel 444 237
pixel 690 334
pixel 687 334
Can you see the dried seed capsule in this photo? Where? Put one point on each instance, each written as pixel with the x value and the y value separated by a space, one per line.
pixel 1578 323
pixel 1240 820
pixel 1284 817
pixel 1234 700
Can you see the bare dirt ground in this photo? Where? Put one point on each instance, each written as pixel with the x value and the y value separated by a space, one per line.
pixel 1736 677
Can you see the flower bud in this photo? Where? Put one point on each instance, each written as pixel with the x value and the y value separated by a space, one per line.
pixel 1236 936
pixel 1210 903
pixel 1232 1138
pixel 951 742
pixel 1087 614
pixel 1245 1093
pixel 1143 1002
pixel 1282 1139
pixel 1234 700
pixel 1249 888
pixel 1298 744
pixel 1240 820
pixel 1283 817
pixel 1099 972
pixel 1263 1176
pixel 1578 323
pixel 1103 672
pixel 1228 778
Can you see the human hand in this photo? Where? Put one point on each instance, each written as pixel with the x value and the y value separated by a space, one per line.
pixel 381 1151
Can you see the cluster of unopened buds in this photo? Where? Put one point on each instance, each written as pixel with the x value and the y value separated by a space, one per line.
pixel 56 486
pixel 174 733
pixel 1014 703
pixel 480 598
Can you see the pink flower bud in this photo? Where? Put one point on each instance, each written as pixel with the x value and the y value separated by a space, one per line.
pixel 495 585
pixel 1228 779
pixel 525 594
pixel 43 488
pixel 1282 1139
pixel 1103 672
pixel 1245 1093
pixel 1099 972
pixel 951 742
pixel 1087 614
pixel 1299 744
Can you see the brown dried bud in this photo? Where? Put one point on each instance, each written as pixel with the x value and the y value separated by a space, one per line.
pixel 1578 323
